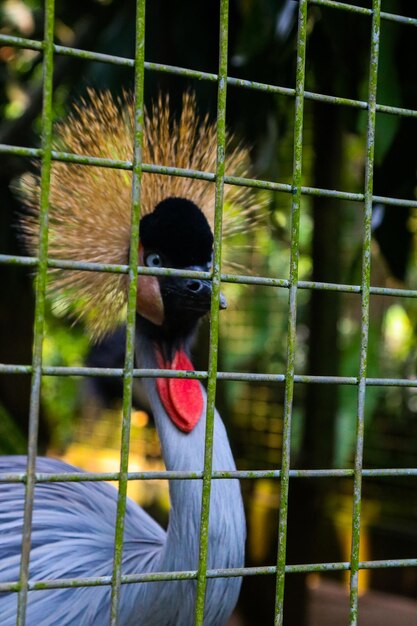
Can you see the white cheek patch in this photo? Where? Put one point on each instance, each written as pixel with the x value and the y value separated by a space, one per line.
pixel 149 302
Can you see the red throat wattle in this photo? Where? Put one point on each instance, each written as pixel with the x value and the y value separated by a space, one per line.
pixel 182 397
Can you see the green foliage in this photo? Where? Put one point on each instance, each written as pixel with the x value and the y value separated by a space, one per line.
pixel 61 394
pixel 11 439
pixel 345 438
pixel 389 92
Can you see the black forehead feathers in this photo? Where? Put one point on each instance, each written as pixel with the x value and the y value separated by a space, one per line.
pixel 178 229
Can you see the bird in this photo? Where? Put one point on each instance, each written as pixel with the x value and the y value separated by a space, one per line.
pixel 73 523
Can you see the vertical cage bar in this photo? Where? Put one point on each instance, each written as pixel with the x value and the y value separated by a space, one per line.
pixel 365 288
pixel 214 311
pixel 289 379
pixel 46 142
pixel 131 308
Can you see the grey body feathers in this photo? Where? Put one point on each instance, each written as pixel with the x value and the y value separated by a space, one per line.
pixel 73 536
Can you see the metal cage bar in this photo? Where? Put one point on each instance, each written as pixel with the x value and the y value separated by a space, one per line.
pixel 292 305
pixel 209 176
pixel 366 278
pixel 47 96
pixel 69 477
pixel 202 375
pixel 214 311
pixel 364 11
pixel 8 259
pixel 218 178
pixel 130 579
pixel 131 308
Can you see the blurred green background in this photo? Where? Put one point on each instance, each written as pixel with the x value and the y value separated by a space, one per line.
pixel 253 331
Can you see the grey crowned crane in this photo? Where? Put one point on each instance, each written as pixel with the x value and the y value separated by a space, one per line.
pixel 74 522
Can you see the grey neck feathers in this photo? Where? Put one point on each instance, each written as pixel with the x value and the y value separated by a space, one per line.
pixel 185 452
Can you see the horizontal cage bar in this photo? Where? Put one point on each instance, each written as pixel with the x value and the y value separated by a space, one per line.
pixel 21 42
pixel 77 477
pixel 129 579
pixel 6 259
pixel 7 368
pixel 392 17
pixel 208 176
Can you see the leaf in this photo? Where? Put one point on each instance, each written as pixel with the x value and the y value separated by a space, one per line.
pixel 389 92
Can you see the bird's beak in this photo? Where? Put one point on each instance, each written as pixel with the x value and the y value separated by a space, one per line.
pixel 187 294
pixel 190 294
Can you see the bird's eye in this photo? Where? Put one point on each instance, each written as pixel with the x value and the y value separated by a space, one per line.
pixel 153 260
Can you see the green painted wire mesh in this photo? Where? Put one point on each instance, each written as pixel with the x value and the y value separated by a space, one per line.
pixel 297 190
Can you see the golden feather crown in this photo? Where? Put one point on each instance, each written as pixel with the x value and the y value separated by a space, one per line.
pixel 90 207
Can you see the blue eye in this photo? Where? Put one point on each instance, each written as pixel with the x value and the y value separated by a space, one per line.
pixel 153 260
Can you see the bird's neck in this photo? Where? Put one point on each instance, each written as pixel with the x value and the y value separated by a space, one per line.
pixel 182 451
pixel 185 452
